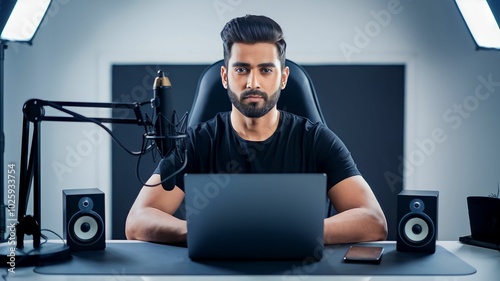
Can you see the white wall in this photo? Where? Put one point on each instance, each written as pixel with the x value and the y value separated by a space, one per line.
pixel 73 52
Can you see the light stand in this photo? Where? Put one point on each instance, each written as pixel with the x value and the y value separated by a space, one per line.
pixel 2 149
pixel 19 21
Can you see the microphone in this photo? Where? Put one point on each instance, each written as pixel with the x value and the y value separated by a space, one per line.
pixel 164 115
pixel 169 134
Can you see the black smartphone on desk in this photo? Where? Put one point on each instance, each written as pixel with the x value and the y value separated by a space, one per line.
pixel 364 254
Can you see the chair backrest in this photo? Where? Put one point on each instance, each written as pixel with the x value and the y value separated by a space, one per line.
pixel 298 97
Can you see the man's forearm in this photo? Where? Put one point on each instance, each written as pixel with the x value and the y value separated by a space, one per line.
pixel 150 224
pixel 355 225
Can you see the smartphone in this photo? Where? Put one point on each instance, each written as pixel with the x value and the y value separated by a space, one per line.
pixel 364 254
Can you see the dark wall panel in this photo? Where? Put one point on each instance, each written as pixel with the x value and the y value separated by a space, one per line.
pixel 363 104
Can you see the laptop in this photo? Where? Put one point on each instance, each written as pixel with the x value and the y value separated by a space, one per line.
pixel 255 216
pixel 484 219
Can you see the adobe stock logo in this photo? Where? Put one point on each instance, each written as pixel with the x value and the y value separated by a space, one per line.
pixel 202 198
pixel 454 116
pixel 75 154
pixel 92 138
pixel 363 36
pixel 221 7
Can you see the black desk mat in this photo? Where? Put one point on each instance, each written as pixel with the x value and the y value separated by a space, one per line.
pixel 157 259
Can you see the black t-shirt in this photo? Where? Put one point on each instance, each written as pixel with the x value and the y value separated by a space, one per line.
pixel 297 146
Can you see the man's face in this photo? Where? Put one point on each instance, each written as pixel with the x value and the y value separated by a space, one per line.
pixel 254 78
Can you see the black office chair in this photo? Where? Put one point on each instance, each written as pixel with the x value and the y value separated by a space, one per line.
pixel 298 97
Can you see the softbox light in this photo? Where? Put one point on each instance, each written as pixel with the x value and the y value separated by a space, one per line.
pixel 482 18
pixel 19 20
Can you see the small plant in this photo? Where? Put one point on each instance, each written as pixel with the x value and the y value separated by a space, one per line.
pixel 493 195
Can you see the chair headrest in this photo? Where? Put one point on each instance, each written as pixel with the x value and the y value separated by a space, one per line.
pixel 298 97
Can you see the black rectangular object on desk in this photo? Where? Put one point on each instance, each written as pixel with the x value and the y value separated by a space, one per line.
pixel 484 219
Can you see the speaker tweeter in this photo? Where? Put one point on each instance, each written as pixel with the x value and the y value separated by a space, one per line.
pixel 417 221
pixel 84 225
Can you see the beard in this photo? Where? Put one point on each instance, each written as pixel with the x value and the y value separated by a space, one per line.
pixel 252 109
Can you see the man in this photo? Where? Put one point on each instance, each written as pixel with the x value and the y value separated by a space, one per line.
pixel 256 137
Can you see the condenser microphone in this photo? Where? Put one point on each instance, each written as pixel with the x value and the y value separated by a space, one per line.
pixel 169 133
pixel 164 115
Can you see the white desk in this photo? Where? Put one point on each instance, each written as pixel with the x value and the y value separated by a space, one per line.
pixel 486 262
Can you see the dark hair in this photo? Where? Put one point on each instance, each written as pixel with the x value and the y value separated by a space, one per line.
pixel 252 29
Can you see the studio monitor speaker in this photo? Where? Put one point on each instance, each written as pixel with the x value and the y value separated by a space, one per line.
pixel 83 219
pixel 417 221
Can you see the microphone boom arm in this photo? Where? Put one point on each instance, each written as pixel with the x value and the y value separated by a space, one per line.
pixel 34 112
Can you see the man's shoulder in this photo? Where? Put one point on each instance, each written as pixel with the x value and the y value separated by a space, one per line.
pixel 291 119
pixel 305 128
pixel 211 126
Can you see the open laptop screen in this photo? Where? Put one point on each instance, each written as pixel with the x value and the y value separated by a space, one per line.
pixel 255 216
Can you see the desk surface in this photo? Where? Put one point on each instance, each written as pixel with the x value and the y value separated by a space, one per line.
pixel 486 262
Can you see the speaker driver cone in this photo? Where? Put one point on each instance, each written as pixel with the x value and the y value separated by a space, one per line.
pixel 86 227
pixel 416 230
